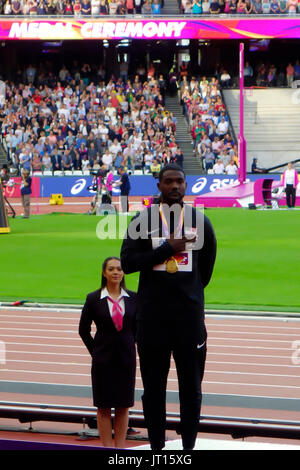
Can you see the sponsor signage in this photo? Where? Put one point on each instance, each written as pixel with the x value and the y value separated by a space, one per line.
pixel 141 185
pixel 237 27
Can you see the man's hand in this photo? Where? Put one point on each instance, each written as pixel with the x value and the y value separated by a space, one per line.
pixel 178 244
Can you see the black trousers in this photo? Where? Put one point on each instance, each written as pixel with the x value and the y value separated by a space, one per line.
pixel 290 192
pixel 155 365
pixel 124 203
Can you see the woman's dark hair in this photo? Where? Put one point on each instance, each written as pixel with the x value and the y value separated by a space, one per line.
pixel 103 279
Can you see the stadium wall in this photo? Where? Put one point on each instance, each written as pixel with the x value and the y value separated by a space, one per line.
pixel 141 185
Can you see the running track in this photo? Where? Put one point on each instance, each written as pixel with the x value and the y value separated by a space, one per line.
pixel 252 365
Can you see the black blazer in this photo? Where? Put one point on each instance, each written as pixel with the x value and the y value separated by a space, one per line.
pixel 107 342
pixel 169 306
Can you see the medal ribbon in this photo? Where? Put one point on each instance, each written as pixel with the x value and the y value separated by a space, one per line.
pixel 165 225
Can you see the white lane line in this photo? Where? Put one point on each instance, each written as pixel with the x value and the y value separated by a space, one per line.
pixel 41 337
pixel 251 385
pixel 25 361
pixel 76 331
pixel 250 333
pixel 48 362
pixel 255 326
pixel 45 345
pixel 253 364
pixel 206 382
pixel 77 338
pixel 224 372
pixel 14 325
pixel 41 329
pixel 11 351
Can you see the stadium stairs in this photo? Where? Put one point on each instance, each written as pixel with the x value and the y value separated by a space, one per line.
pixel 171 7
pixel 191 164
pixel 271 124
pixel 3 156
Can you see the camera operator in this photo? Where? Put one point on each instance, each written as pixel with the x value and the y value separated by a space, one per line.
pixel 5 175
pixel 102 184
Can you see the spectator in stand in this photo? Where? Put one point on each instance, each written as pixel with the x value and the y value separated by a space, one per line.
pixel 156 7
pixel 283 6
pixel 7 10
pixel 16 7
pixel 214 7
pixel 36 163
pixel 274 7
pixel 69 7
pixel 147 8
pixel 86 7
pixel 209 157
pixel 240 8
pixel 225 79
pixel 292 7
pixel 297 70
pixel 254 167
pixel 56 160
pixel 130 6
pixel 248 74
pixel 265 7
pixel 233 7
pixel 290 74
pixel 231 168
pixel 257 7
pixel 103 8
pixel 46 162
pixel 77 7
pixel 197 7
pixel 205 7
pixel 218 167
pixel 248 7
pixel 66 160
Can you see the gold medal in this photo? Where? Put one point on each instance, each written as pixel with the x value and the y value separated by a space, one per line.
pixel 171 265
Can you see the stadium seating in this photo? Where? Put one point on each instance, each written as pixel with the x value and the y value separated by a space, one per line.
pixel 116 124
pixel 205 112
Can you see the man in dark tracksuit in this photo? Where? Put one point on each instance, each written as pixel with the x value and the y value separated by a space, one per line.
pixel 170 312
pixel 125 189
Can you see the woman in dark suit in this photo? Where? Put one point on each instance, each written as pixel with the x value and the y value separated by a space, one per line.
pixel 112 308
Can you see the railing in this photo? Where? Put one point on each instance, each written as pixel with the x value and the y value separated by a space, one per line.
pixel 161 15
pixel 236 427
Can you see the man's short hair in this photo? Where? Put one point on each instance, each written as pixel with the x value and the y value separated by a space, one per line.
pixel 170 167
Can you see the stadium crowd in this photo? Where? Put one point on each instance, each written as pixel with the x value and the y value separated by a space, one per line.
pixel 80 7
pixel 66 122
pixel 206 115
pixel 240 7
pixel 145 7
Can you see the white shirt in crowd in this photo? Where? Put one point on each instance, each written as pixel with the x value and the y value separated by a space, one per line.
pixel 231 169
pixel 218 168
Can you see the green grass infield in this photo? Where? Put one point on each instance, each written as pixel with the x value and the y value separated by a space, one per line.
pixel 57 258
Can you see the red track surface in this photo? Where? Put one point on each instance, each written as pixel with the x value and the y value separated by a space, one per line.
pixel 248 357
